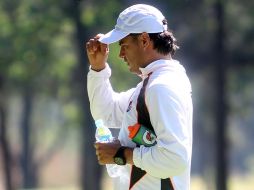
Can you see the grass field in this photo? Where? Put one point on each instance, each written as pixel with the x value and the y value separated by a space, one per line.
pixel 234 183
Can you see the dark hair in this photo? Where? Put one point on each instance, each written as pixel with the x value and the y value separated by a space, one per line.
pixel 163 42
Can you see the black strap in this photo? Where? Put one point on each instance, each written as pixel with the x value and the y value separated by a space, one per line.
pixel 144 119
pixel 136 175
pixel 166 184
pixel 143 114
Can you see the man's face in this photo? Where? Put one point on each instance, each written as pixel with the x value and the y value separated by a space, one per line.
pixel 132 53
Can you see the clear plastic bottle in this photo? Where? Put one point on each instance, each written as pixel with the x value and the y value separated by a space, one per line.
pixel 103 134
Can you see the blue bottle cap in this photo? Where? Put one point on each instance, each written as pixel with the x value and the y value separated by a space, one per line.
pixel 99 122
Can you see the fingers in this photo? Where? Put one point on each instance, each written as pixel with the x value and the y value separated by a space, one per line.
pixel 97 53
pixel 106 151
pixel 104 48
pixel 93 45
pixel 99 153
pixel 98 36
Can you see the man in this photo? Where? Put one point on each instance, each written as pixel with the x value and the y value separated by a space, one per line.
pixel 159 109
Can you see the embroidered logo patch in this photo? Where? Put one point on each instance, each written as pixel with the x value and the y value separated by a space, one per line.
pixel 129 106
pixel 149 138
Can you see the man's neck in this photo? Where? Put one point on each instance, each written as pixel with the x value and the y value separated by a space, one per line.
pixel 154 57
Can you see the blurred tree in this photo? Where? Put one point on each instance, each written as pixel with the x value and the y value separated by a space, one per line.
pixel 4 143
pixel 42 57
pixel 90 170
pixel 221 111
pixel 28 36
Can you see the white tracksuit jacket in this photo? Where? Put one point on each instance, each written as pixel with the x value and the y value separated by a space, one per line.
pixel 168 99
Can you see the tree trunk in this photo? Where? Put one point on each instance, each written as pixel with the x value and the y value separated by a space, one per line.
pixel 220 56
pixel 6 156
pixel 90 170
pixel 29 172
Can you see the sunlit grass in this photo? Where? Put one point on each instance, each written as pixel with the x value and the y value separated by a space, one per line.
pixel 198 183
pixel 241 182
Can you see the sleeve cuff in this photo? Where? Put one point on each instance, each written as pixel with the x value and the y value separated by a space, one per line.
pixel 106 72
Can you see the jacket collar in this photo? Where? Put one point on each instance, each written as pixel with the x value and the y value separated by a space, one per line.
pixel 157 65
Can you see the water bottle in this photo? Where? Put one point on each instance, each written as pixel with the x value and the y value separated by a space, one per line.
pixel 103 134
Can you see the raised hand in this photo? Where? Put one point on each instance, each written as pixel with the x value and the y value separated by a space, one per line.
pixel 97 53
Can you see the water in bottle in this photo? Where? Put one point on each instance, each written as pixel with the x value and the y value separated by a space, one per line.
pixel 103 134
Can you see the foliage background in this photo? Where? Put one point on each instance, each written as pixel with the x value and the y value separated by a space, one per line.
pixel 46 128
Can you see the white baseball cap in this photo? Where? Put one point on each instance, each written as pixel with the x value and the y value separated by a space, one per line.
pixel 136 19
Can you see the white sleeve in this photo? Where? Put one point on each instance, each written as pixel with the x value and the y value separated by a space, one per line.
pixel 172 154
pixel 104 102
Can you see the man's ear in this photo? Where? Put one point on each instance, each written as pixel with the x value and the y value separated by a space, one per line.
pixel 145 40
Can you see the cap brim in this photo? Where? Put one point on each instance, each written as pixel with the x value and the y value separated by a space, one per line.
pixel 113 36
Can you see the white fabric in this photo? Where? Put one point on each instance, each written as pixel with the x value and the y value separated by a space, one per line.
pixel 168 99
pixel 136 19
